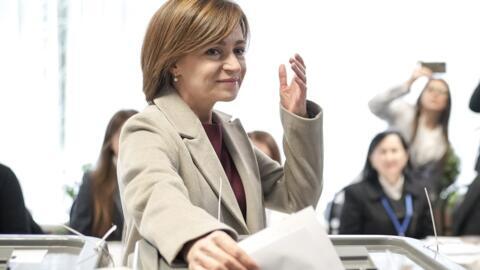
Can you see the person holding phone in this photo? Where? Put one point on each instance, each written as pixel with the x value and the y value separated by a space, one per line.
pixel 425 127
pixel 190 180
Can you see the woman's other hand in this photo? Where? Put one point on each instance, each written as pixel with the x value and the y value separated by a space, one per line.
pixel 218 251
pixel 293 96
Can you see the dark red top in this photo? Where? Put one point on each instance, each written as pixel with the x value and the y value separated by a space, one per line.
pixel 215 135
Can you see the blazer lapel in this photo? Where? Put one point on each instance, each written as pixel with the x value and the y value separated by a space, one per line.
pixel 196 140
pixel 240 149
pixel 202 151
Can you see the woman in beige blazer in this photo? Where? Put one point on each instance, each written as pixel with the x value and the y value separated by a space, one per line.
pixel 186 191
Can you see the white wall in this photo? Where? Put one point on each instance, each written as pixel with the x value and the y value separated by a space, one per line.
pixel 353 49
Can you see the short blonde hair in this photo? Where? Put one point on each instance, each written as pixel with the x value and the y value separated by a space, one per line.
pixel 181 27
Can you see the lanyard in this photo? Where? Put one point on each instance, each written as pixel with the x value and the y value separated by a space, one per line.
pixel 400 228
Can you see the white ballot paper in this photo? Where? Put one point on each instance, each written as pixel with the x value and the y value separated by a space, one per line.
pixel 297 242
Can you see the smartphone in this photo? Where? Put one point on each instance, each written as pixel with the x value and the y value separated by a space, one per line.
pixel 435 67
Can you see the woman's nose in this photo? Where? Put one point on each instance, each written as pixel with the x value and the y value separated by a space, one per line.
pixel 232 63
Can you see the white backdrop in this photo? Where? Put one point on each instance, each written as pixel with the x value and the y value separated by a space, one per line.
pixel 353 49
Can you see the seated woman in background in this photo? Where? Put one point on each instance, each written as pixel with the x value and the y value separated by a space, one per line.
pixel 97 205
pixel 14 217
pixel 425 127
pixel 386 201
pixel 266 143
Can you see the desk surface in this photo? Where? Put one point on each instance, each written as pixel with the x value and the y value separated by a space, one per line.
pixel 52 252
pixel 377 252
pixel 464 251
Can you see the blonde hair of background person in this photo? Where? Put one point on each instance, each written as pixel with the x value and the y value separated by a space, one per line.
pixel 97 205
pixel 170 173
pixel 265 142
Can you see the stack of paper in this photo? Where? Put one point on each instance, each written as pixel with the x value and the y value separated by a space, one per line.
pixel 297 242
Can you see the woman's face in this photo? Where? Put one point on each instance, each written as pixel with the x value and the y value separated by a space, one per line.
pixel 389 157
pixel 213 73
pixel 435 96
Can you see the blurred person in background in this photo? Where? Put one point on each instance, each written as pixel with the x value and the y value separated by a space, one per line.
pixel 97 206
pixel 387 200
pixel 425 127
pixel 14 216
pixel 475 107
pixel 266 143
pixel 466 218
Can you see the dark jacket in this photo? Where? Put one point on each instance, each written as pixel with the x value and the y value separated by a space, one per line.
pixel 475 106
pixel 466 218
pixel 363 212
pixel 475 100
pixel 81 213
pixel 14 217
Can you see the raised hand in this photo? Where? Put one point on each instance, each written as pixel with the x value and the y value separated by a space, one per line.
pixel 293 96
pixel 419 72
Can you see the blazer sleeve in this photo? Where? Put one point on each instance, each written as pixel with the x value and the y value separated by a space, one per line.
pixel 81 213
pixel 153 193
pixel 299 182
pixel 352 217
pixel 475 100
pixel 13 214
pixel 387 105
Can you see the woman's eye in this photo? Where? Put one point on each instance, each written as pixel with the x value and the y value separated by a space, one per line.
pixel 213 52
pixel 239 51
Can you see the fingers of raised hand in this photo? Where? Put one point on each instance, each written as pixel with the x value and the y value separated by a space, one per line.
pixel 299 74
pixel 298 66
pixel 298 58
pixel 301 83
pixel 282 75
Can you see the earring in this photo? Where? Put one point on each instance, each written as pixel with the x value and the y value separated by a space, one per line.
pixel 175 78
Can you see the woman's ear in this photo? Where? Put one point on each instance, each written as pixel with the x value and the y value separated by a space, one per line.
pixel 175 70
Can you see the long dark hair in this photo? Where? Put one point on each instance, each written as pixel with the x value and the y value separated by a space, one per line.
pixel 444 115
pixel 104 177
pixel 369 173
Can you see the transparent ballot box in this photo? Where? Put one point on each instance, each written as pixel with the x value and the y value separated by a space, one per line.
pixel 380 252
pixel 357 252
pixel 19 252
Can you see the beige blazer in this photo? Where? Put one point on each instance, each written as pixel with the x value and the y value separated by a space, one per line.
pixel 170 175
